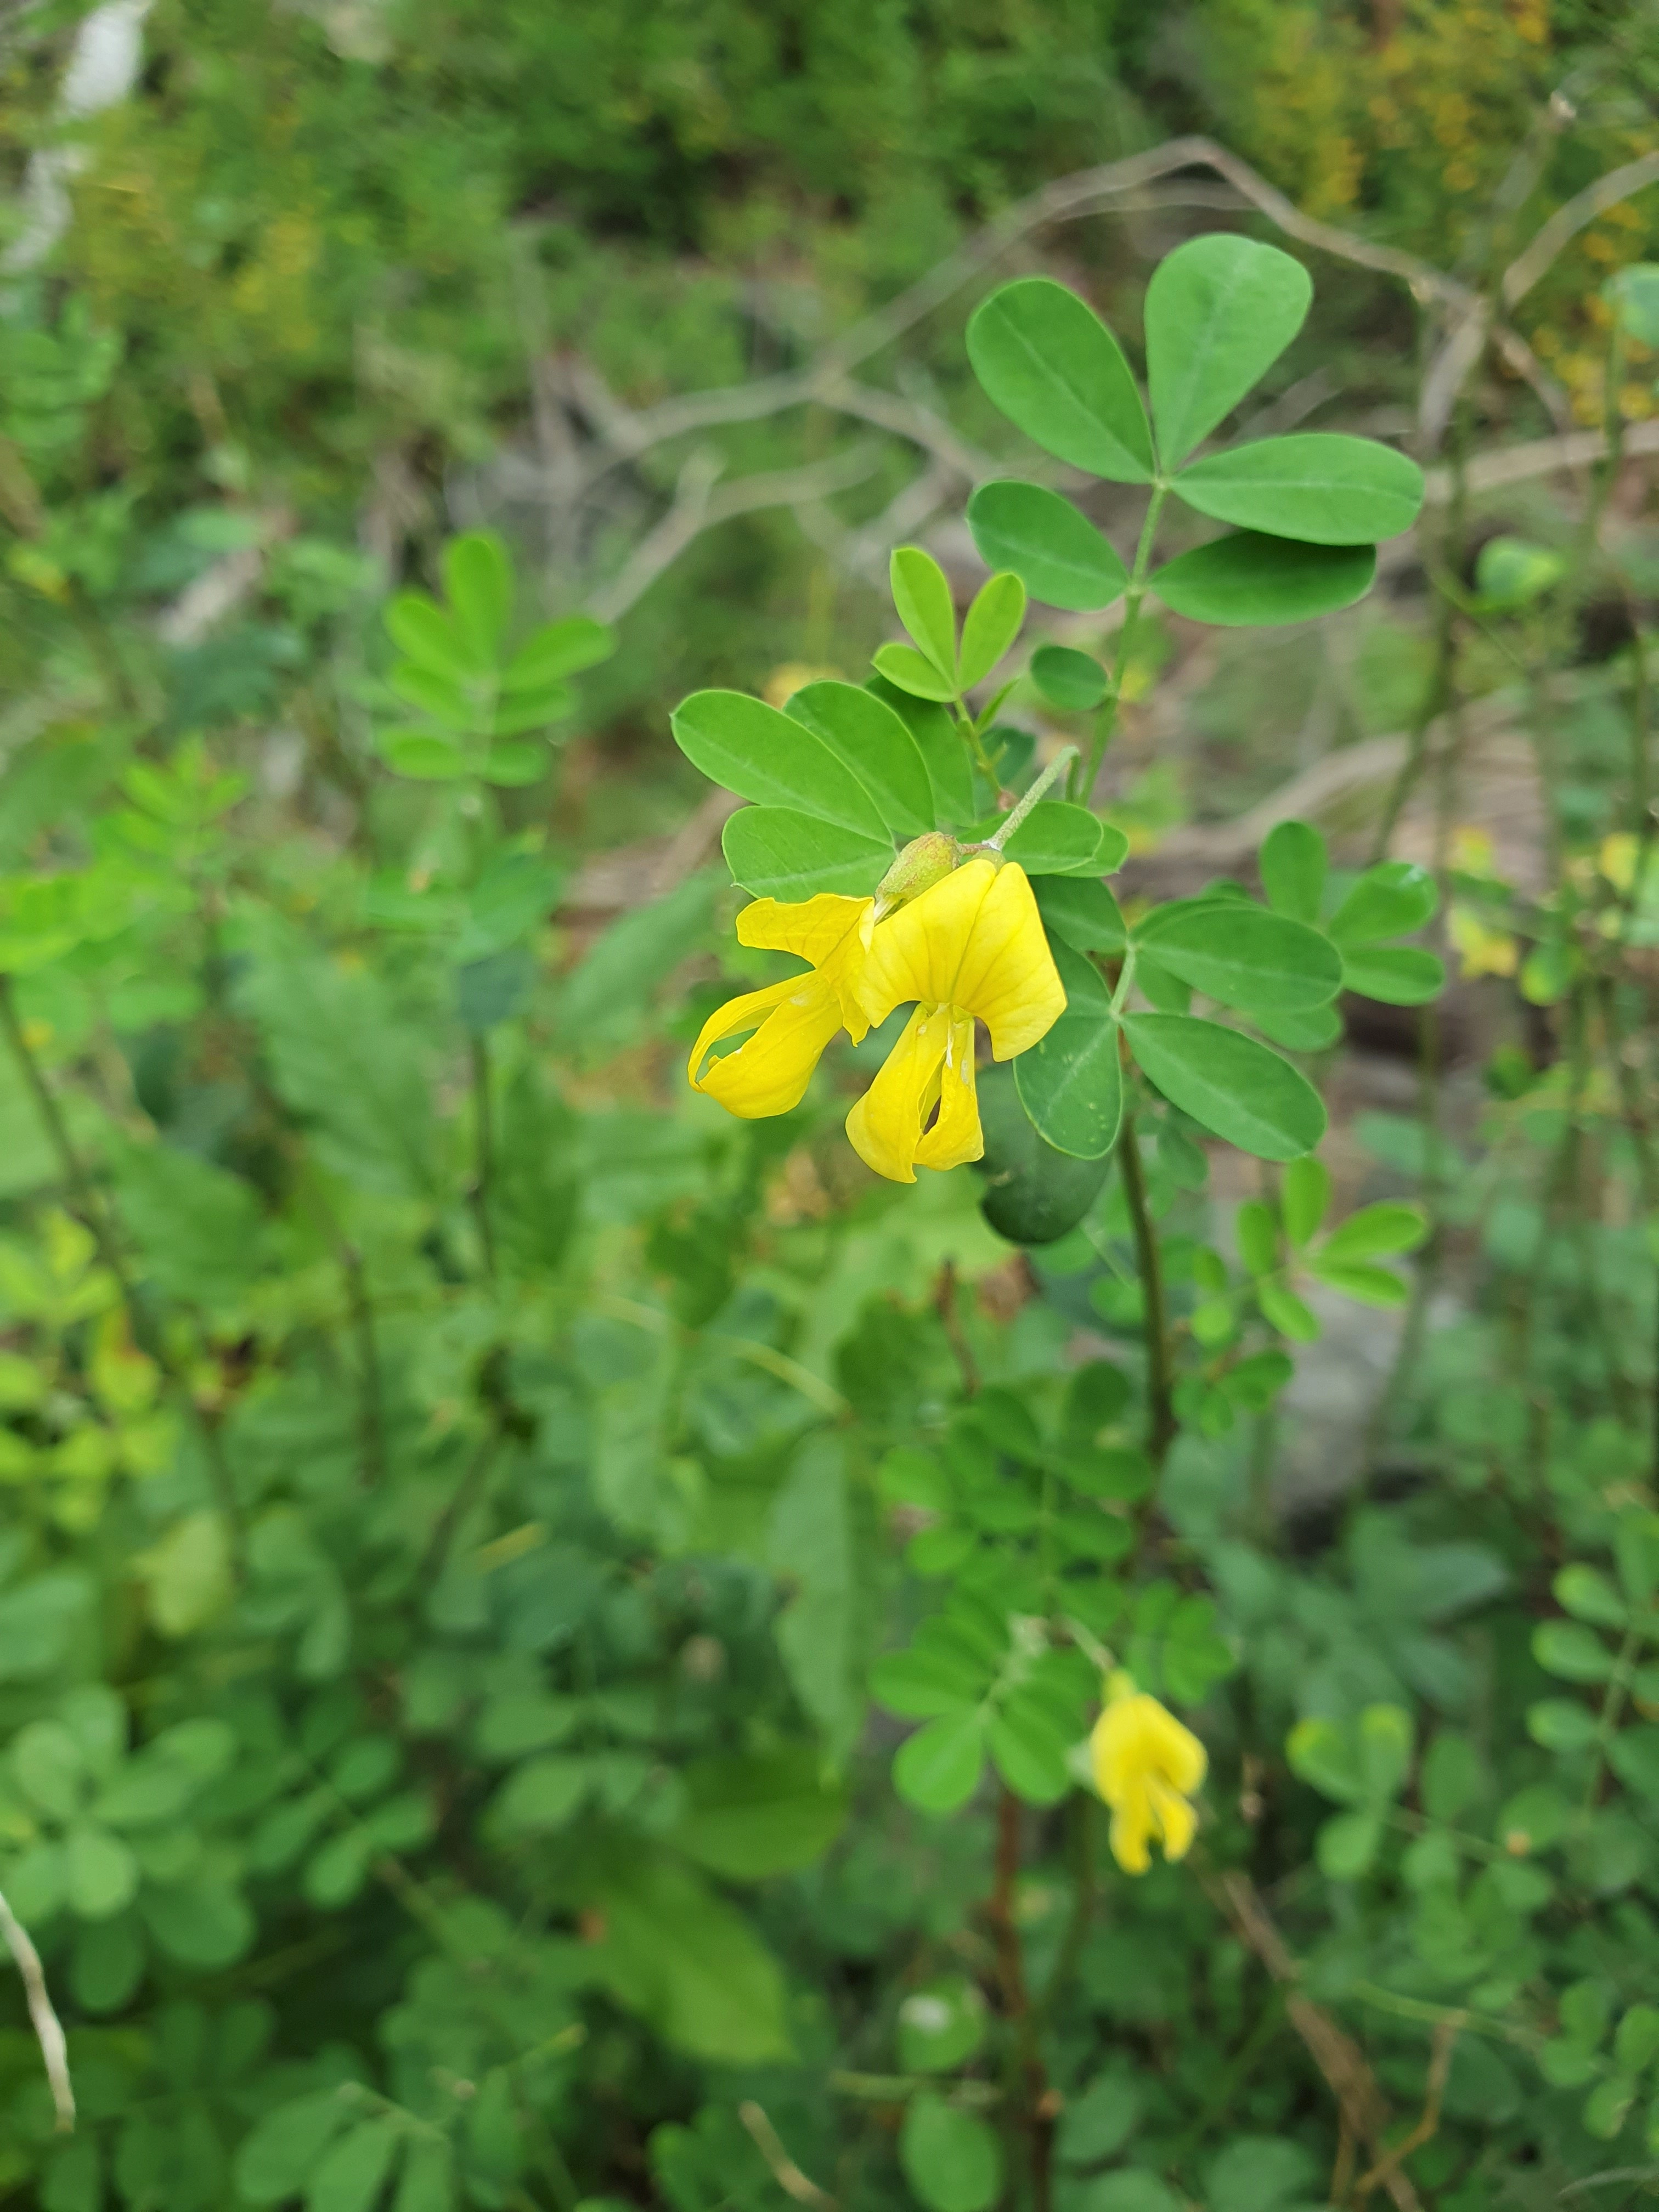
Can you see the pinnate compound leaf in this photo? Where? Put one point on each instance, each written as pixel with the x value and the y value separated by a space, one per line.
pixel 1228 1084
pixel 912 671
pixel 1320 487
pixel 868 738
pixel 1070 1082
pixel 937 1769
pixel 1294 863
pixel 1219 312
pixel 1052 367
pixel 773 759
pixel 922 599
pixel 1250 581
pixel 776 853
pixel 1244 957
pixel 952 2160
pixel 1056 552
pixel 1395 975
pixel 991 626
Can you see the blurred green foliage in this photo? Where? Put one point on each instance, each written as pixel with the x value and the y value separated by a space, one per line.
pixel 480 1523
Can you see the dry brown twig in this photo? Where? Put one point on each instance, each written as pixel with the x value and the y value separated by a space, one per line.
pixel 1360 2101
pixel 781 2167
pixel 48 2029
pixel 1446 2032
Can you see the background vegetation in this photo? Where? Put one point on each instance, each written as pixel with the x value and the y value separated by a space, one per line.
pixel 460 1485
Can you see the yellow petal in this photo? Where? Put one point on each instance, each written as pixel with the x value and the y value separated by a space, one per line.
pixel 1180 1758
pixel 976 941
pixel 831 932
pixel 1132 1824
pixel 1175 1818
pixel 769 1074
pixel 956 1135
pixel 885 1126
pixel 1136 1738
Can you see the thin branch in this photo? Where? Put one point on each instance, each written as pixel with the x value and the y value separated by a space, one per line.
pixel 781 2167
pixel 1445 2035
pixel 1574 216
pixel 1338 2056
pixel 699 506
pixel 48 2029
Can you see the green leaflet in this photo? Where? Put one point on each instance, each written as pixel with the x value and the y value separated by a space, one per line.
pixel 868 738
pixel 1219 312
pixel 776 853
pixel 1070 1082
pixel 1229 1084
pixel 1056 552
pixel 1056 370
pixel 773 759
pixel 1328 489
pixel 1249 578
pixel 1244 957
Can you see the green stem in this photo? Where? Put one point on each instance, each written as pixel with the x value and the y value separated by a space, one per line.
pixel 1134 592
pixel 371 1417
pixel 484 1156
pixel 1056 768
pixel 1160 1381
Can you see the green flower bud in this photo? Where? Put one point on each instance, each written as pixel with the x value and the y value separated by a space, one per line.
pixel 925 861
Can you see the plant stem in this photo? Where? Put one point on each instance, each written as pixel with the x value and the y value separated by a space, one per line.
pixel 1056 768
pixel 1160 1405
pixel 483 1137
pixel 371 1417
pixel 1134 592
pixel 1030 2101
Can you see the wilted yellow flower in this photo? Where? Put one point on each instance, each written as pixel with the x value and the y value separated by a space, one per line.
pixel 794 1020
pixel 1146 1766
pixel 971 947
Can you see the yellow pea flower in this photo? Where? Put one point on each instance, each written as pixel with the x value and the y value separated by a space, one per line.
pixel 971 947
pixel 1146 1766
pixel 794 1020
